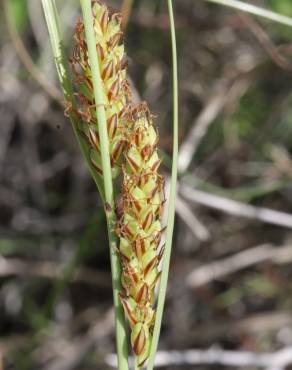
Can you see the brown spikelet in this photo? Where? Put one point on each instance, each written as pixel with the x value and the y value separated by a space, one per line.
pixel 108 34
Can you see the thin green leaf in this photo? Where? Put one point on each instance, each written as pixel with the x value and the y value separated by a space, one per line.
pixel 172 197
pixel 121 338
pixel 252 9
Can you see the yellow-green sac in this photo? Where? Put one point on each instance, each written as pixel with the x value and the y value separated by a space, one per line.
pixel 139 228
pixel 110 50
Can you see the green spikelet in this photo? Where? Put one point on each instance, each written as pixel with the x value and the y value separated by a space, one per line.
pixel 108 34
pixel 140 228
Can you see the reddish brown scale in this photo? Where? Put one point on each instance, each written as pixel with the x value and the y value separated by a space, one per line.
pixel 87 102
pixel 156 238
pixel 143 293
pixel 123 64
pixel 114 90
pixel 147 151
pixel 112 125
pixel 137 205
pixel 127 89
pixel 138 137
pixel 117 151
pixel 139 343
pixel 155 281
pixel 68 108
pixel 104 21
pixel 93 137
pixel 127 202
pixel 114 41
pixel 140 109
pixel 89 83
pixel 124 230
pixel 119 207
pixel 150 266
pixel 161 207
pixel 127 309
pixel 161 252
pixel 108 70
pixel 117 17
pixel 156 165
pixel 138 247
pixel 84 115
pixel 144 178
pixel 131 202
pixel 148 221
pixel 132 163
pixel 100 51
pixel 84 137
pixel 133 275
pixel 142 363
pixel 128 231
pixel 121 113
pixel 97 168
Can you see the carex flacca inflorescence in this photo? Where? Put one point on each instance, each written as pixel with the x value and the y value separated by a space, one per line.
pixel 133 154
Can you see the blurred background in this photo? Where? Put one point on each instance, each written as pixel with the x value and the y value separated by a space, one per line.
pixel 229 301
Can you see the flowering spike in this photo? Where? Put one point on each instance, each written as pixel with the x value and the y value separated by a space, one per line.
pixel 108 35
pixel 140 227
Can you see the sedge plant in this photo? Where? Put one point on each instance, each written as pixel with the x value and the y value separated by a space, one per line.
pixel 118 140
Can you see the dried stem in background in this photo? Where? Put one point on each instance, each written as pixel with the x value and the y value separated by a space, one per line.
pixel 126 10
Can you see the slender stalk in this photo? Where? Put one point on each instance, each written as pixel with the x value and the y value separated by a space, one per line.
pixel 53 24
pixel 172 196
pixel 25 56
pixel 126 10
pixel 108 184
pixel 252 9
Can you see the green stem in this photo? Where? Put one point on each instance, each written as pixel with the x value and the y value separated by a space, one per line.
pixel 252 9
pixel 108 184
pixel 172 197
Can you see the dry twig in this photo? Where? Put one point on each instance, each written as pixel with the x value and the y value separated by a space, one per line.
pixel 26 59
pixel 264 39
pixel 277 360
pixel 236 208
pixel 50 270
pixel 200 127
pixel 78 350
pixel 191 220
pixel 126 10
pixel 218 269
